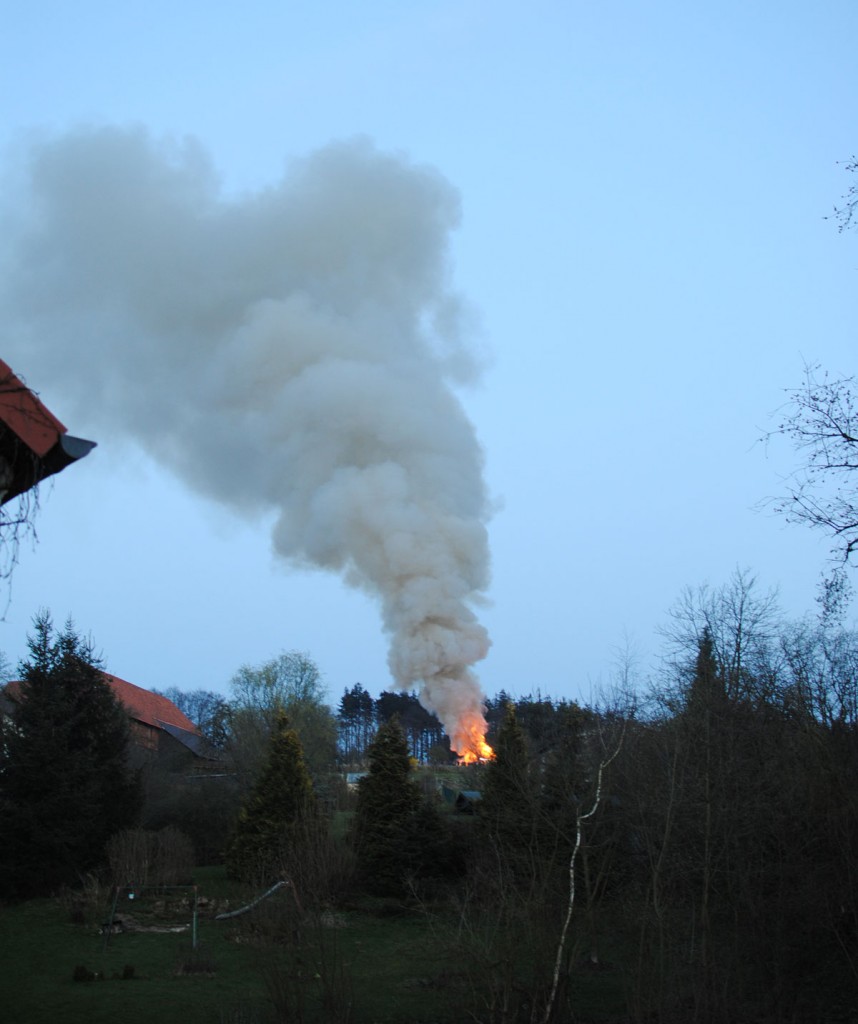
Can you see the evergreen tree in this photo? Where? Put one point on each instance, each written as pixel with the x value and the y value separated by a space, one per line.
pixel 706 689
pixel 65 781
pixel 356 721
pixel 385 832
pixel 279 813
pixel 509 812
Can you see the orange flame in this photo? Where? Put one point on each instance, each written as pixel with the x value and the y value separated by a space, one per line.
pixel 470 741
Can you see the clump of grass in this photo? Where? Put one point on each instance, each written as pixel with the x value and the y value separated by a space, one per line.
pixel 83 901
pixel 197 962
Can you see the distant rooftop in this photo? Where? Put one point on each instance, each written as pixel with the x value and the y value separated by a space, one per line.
pixel 149 708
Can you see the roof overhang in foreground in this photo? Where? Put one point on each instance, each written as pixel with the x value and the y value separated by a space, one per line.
pixel 33 442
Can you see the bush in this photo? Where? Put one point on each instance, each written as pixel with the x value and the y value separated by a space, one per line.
pixel 205 809
pixel 151 858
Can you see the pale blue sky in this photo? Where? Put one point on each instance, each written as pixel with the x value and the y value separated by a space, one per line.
pixel 643 240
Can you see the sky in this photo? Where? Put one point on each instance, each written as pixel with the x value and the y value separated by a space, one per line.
pixel 594 235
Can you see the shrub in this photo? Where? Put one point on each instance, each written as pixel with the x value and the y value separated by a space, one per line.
pixel 151 858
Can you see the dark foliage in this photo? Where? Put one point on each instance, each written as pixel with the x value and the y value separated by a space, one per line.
pixel 274 820
pixel 356 719
pixel 65 782
pixel 509 809
pixel 204 808
pixel 398 836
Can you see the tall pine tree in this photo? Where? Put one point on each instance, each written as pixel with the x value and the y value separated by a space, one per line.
pixel 65 782
pixel 509 809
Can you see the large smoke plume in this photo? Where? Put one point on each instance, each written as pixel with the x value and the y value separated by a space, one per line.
pixel 290 350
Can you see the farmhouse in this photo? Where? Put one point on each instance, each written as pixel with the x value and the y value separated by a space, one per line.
pixel 159 730
pixel 157 725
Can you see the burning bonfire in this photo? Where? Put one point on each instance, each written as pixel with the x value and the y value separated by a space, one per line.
pixel 470 741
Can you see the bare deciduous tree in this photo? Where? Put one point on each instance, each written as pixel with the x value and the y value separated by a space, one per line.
pixel 821 421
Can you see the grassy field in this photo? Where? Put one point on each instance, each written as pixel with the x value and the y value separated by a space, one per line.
pixel 371 963
pixel 43 942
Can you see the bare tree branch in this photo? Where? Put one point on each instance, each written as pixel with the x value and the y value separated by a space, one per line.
pixel 844 214
pixel 821 421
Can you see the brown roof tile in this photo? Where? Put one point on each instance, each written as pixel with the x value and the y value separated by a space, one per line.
pixel 143 705
pixel 148 707
pixel 22 411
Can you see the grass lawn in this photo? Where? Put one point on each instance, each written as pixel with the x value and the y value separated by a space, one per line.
pixel 40 948
pixel 385 970
pixel 371 963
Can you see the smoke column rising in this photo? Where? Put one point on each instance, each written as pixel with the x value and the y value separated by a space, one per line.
pixel 290 350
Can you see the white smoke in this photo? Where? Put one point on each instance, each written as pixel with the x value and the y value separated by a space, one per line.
pixel 290 350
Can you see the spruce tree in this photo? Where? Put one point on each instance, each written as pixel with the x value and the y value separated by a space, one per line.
pixel 274 824
pixel 65 782
pixel 509 812
pixel 385 830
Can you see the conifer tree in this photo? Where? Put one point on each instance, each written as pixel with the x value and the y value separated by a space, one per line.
pixel 65 782
pixel 385 832
pixel 274 822
pixel 508 809
pixel 706 689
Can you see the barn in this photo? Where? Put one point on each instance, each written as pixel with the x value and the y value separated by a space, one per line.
pixel 159 730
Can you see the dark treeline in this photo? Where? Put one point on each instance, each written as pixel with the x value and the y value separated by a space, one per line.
pixel 359 716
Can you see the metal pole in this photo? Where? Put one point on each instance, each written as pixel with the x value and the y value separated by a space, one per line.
pixel 109 928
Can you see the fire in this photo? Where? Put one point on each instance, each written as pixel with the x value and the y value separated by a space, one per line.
pixel 469 741
pixel 483 753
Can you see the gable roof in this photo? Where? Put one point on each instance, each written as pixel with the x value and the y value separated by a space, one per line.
pixel 149 708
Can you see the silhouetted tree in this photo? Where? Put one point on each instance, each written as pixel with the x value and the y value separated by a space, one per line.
pixel 385 832
pixel 207 710
pixel 509 813
pixel 821 421
pixel 65 781
pixel 421 728
pixel 356 720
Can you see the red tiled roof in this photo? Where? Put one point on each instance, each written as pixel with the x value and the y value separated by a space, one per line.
pixel 23 413
pixel 150 708
pixel 143 705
